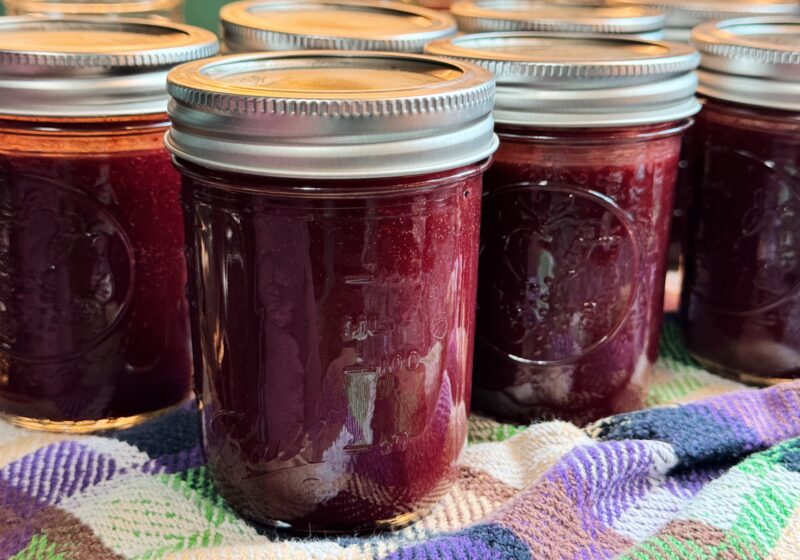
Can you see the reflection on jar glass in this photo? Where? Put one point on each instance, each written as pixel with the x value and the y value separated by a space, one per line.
pixel 333 283
pixel 741 303
pixel 93 314
pixel 575 220
pixel 169 10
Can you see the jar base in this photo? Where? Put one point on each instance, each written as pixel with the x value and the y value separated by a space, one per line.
pixel 391 524
pixel 738 375
pixel 87 426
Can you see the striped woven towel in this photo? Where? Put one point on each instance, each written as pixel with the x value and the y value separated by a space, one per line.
pixel 716 478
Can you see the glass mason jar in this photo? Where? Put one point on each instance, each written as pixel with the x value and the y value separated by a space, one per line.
pixel 170 10
pixel 741 304
pixel 682 16
pixel 333 235
pixel 475 16
pixel 93 314
pixel 575 219
pixel 371 25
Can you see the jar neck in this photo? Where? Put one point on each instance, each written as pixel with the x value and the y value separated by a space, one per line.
pixel 776 117
pixel 88 125
pixel 592 135
pixel 48 136
pixel 772 122
pixel 344 188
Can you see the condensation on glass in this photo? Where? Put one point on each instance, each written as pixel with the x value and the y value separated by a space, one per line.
pixel 333 242
pixel 741 304
pixel 370 25
pixel 170 10
pixel 93 315
pixel 575 219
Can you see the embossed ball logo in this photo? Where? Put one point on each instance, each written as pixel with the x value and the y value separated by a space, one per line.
pixel 66 272
pixel 558 272
pixel 746 249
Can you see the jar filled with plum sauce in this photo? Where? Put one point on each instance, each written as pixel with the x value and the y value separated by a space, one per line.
pixel 371 25
pixel 473 16
pixel 741 304
pixel 575 219
pixel 681 17
pixel 332 205
pixel 94 329
pixel 170 10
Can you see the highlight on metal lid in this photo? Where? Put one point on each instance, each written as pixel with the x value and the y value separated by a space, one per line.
pixel 683 15
pixel 755 61
pixel 167 9
pixel 536 15
pixel 92 66
pixel 331 114
pixel 569 80
pixel 279 25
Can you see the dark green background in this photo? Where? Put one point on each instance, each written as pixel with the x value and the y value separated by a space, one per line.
pixel 199 12
pixel 204 13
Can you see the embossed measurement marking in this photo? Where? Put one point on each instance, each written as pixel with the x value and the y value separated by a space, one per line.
pixel 359 279
pixel 359 328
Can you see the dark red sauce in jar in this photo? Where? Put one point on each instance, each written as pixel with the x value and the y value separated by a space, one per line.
pixel 342 395
pixel 574 229
pixel 575 222
pixel 94 317
pixel 94 326
pixel 681 17
pixel 742 298
pixel 334 313
pixel 741 305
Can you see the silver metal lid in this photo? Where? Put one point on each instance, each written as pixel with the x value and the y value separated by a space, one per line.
pixel 755 61
pixel 535 15
pixel 90 67
pixel 373 25
pixel 581 81
pixel 108 8
pixel 685 14
pixel 331 114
